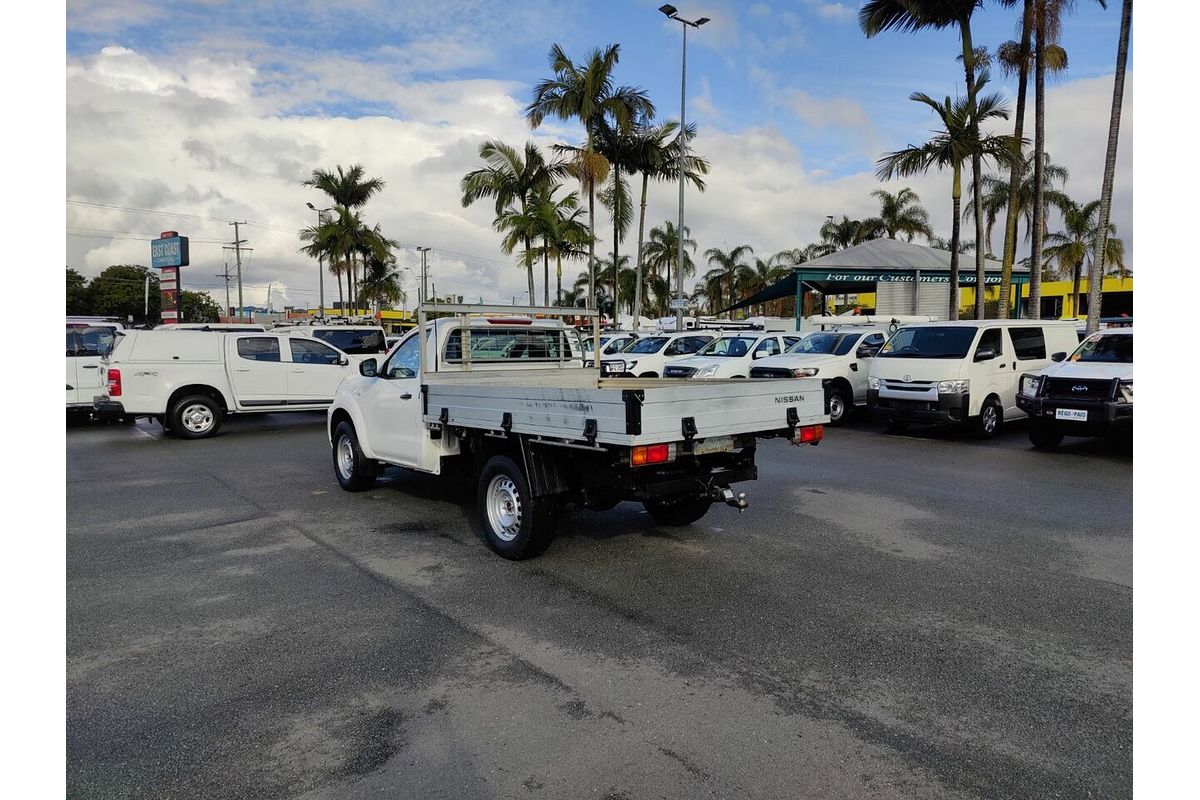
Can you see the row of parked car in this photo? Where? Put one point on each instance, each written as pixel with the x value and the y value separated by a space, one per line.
pixel 977 374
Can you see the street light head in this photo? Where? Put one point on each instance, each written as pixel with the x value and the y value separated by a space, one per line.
pixel 701 21
pixel 668 9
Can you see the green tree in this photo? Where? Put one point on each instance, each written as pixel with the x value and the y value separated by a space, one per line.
pixel 1095 281
pixel 587 93
pixel 840 234
pixel 1077 243
pixel 77 293
pixel 120 291
pixel 732 266
pixel 900 213
pixel 910 16
pixel 997 194
pixel 563 233
pixel 662 251
pixel 349 190
pixel 511 179
pixel 198 307
pixel 951 147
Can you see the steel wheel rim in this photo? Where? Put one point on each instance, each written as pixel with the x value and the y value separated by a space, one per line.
pixel 197 418
pixel 345 457
pixel 989 418
pixel 837 407
pixel 504 508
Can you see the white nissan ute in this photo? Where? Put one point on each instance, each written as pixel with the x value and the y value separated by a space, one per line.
pixel 507 401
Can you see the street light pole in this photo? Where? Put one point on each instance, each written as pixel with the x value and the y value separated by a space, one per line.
pixel 424 294
pixel 320 260
pixel 673 13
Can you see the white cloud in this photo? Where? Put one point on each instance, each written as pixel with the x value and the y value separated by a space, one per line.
pixel 834 11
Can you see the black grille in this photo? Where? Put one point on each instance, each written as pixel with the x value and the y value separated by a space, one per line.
pixel 770 372
pixel 679 372
pixel 1089 389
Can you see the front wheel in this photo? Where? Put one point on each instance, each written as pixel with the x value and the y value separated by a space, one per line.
pixel 516 525
pixel 351 467
pixel 987 424
pixel 1044 436
pixel 196 417
pixel 676 512
pixel 839 405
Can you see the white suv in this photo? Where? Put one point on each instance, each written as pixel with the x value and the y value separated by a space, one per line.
pixel 649 355
pixel 357 341
pixel 840 358
pixel 730 356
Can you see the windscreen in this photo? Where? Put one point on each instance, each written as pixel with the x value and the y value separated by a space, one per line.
pixel 729 347
pixel 1112 349
pixel 90 340
pixel 937 342
pixel 651 344
pixel 356 341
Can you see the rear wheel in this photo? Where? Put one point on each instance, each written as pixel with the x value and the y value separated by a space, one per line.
pixel 516 525
pixel 353 470
pixel 1044 436
pixel 839 404
pixel 196 417
pixel 678 511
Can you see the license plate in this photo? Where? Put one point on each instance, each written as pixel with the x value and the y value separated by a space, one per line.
pixel 1077 414
pixel 713 444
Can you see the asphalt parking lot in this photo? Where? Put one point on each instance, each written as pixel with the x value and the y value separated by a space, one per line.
pixel 895 616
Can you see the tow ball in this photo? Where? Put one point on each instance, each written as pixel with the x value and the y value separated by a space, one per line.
pixel 726 496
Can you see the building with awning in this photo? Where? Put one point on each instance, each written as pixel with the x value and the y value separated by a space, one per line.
pixel 906 279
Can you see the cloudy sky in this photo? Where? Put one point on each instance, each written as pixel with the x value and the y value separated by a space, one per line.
pixel 186 116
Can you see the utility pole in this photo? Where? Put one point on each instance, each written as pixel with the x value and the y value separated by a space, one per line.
pixel 237 247
pixel 424 295
pixel 146 310
pixel 225 275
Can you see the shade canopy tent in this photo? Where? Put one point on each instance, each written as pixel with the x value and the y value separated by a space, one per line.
pixel 907 277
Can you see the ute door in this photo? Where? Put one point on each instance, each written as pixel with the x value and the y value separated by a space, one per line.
pixel 392 407
pixel 860 365
pixel 257 374
pixel 73 394
pixel 315 371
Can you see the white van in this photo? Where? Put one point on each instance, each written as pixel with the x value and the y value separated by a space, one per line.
pixel 963 373
pixel 88 340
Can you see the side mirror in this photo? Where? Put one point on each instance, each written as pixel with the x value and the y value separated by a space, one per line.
pixel 368 367
pixel 985 354
pixel 760 354
pixel 1059 357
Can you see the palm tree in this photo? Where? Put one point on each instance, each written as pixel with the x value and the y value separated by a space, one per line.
pixel 511 179
pixel 383 283
pixel 662 251
pixel 617 147
pixel 731 265
pixel 561 232
pixel 586 93
pixel 951 147
pixel 347 189
pixel 1096 274
pixel 910 16
pixel 997 194
pixel 762 275
pixel 1077 242
pixel 840 234
pixel 900 213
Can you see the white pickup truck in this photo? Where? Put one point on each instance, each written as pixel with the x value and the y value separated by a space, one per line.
pixel 190 380
pixel 537 431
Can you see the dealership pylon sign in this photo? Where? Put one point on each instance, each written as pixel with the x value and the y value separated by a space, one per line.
pixel 168 253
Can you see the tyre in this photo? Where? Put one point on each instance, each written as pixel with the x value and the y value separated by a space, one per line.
pixel 648 375
pixel 896 425
pixel 355 473
pixel 990 418
pixel 196 417
pixel 839 404
pixel 515 524
pixel 677 511
pixel 1043 436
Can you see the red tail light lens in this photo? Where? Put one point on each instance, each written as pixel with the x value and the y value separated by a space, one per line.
pixel 809 434
pixel 651 454
pixel 113 377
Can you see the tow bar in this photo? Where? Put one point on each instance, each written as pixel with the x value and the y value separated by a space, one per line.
pixel 726 496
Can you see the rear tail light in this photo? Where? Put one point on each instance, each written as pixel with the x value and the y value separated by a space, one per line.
pixel 651 454
pixel 808 434
pixel 113 379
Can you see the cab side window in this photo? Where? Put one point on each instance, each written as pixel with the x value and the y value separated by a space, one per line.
pixel 677 347
pixel 992 338
pixel 259 348
pixel 696 343
pixel 403 363
pixel 307 351
pixel 768 346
